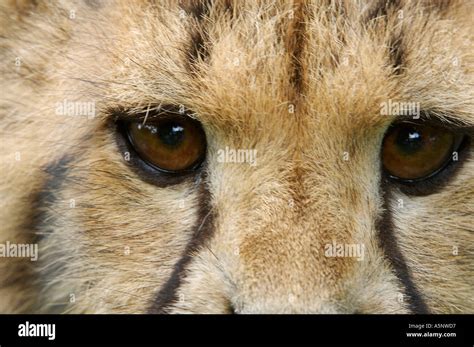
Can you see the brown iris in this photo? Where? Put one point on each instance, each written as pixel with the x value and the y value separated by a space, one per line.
pixel 414 151
pixel 171 144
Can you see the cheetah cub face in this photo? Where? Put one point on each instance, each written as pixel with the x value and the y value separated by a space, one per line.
pixel 237 157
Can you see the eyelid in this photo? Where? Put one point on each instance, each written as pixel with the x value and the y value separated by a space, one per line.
pixel 446 121
pixel 151 114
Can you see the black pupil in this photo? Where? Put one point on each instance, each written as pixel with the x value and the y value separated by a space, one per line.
pixel 409 140
pixel 171 133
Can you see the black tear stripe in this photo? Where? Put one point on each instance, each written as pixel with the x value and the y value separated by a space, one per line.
pixel 203 231
pixel 388 242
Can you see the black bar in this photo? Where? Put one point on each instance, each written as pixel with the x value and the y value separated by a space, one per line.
pixel 219 329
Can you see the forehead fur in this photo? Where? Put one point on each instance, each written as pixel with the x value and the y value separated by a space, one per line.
pixel 200 53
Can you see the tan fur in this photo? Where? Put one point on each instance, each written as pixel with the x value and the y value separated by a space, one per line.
pixel 118 246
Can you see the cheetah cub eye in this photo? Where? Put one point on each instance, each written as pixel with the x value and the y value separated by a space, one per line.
pixel 167 141
pixel 415 151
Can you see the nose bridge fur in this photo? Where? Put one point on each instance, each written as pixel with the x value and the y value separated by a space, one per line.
pixel 280 229
pixel 284 254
